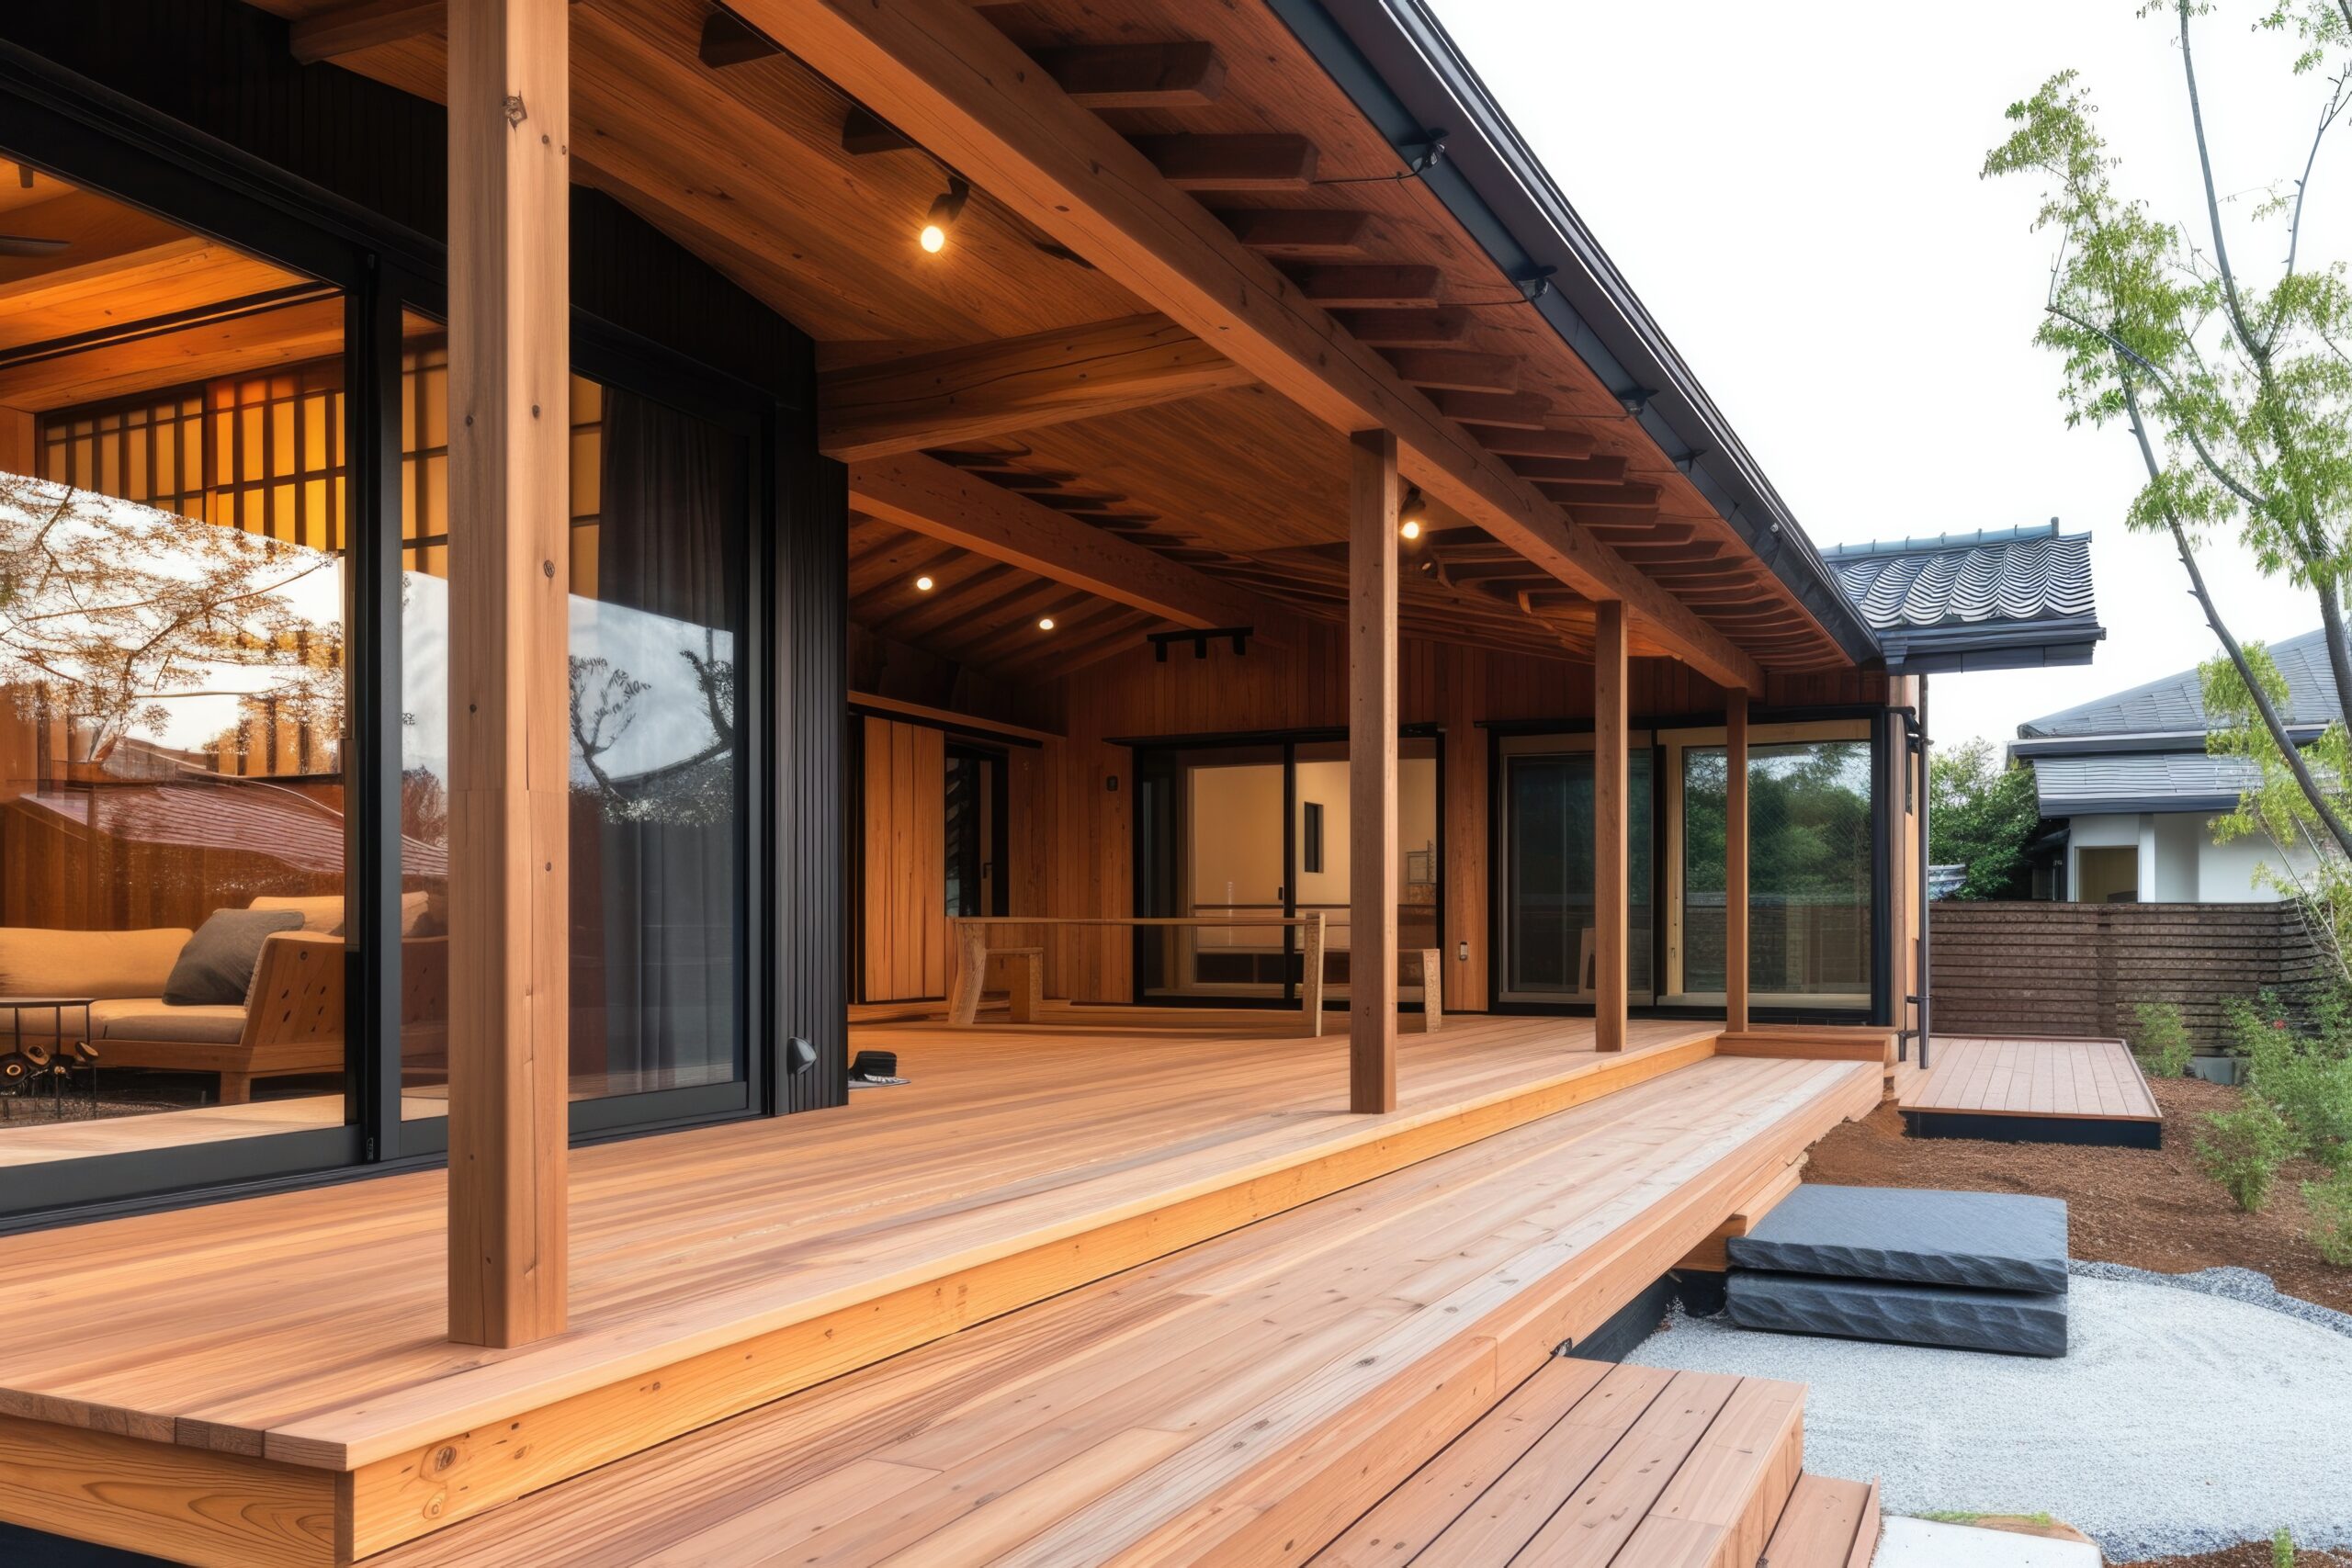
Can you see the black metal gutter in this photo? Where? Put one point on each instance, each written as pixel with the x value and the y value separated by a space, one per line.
pixel 1404 72
pixel 1994 645
pixel 2174 742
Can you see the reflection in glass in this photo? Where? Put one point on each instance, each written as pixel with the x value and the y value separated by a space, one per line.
pixel 172 705
pixel 660 504
pixel 1548 863
pixel 1809 870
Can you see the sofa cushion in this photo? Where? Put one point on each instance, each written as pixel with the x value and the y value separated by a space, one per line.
pixel 144 1018
pixel 216 967
pixel 36 961
pixel 323 912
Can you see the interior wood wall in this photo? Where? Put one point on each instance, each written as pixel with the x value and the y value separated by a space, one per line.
pixel 902 910
pixel 1073 826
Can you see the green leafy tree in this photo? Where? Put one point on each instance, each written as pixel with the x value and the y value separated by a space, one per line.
pixel 1981 816
pixel 2236 390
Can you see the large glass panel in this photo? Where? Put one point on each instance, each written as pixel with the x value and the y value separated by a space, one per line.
pixel 1227 807
pixel 1809 871
pixel 1323 830
pixel 173 844
pixel 660 506
pixel 1548 869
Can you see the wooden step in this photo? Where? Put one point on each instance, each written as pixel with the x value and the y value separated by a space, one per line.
pixel 1584 1462
pixel 1828 1523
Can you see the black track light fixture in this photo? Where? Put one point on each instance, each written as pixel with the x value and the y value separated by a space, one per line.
pixel 943 213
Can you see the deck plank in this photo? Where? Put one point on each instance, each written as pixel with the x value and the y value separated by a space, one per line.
pixel 2086 1079
pixel 1334 1343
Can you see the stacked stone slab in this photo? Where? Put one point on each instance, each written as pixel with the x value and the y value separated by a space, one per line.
pixel 1964 1270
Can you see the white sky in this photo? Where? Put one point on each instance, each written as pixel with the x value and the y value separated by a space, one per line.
pixel 1794 192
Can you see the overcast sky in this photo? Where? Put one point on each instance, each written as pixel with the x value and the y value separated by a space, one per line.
pixel 1793 190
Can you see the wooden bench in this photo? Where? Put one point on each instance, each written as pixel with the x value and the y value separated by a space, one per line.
pixel 973 952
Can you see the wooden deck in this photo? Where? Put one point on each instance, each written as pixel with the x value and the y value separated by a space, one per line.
pixel 2030 1090
pixel 291 1347
pixel 1247 1400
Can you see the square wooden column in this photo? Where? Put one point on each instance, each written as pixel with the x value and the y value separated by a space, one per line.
pixel 510 571
pixel 1736 861
pixel 1610 886
pixel 1373 864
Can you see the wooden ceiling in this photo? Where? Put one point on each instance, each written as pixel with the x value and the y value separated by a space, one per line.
pixel 779 180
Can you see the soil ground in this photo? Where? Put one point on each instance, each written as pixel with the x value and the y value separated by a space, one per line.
pixel 2253 1554
pixel 2148 1208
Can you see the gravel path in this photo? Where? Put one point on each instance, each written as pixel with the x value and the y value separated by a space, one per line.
pixel 2179 1421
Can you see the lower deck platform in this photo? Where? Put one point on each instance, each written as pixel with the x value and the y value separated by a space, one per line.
pixel 2031 1091
pixel 274 1373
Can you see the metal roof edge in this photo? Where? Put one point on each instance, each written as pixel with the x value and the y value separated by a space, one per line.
pixel 1397 64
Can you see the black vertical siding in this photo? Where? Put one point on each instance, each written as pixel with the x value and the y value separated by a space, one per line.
pixel 813 725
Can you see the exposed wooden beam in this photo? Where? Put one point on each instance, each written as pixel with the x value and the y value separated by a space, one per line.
pixel 993 388
pixel 1536 442
pixel 363 24
pixel 927 496
pixel 510 786
pixel 948 77
pixel 1369 286
pixel 1318 233
pixel 1736 861
pixel 727 40
pixel 1244 161
pixel 1610 886
pixel 1372 862
pixel 1455 370
pixel 1406 329
pixel 947 718
pixel 1572 470
pixel 1138 75
pixel 1527 411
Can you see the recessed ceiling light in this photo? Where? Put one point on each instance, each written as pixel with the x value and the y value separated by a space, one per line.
pixel 1045 623
pixel 923 584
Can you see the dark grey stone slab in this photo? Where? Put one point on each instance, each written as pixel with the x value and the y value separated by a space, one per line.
pixel 2013 1322
pixel 1999 1241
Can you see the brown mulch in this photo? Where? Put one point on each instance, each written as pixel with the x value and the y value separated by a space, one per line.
pixel 2148 1208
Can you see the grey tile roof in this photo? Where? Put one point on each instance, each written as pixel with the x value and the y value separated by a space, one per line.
pixel 2140 780
pixel 2176 702
pixel 1994 575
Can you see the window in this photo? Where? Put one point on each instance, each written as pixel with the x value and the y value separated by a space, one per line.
pixel 1809 870
pixel 174 843
pixel 660 502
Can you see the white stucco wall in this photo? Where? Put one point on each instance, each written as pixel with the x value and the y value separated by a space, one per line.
pixel 2179 863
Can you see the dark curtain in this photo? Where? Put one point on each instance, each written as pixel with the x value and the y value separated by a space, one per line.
pixel 667 868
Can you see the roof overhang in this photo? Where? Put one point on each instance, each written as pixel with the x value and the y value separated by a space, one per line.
pixel 1394 60
pixel 1990 645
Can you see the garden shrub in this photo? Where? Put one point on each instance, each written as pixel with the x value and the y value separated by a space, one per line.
pixel 2282 1549
pixel 2243 1150
pixel 2306 1078
pixel 2330 1206
pixel 2161 1039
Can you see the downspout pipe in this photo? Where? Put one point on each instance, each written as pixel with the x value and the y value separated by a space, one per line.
pixel 1927 904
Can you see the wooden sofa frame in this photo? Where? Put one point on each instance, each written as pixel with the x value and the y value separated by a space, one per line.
pixel 294 1022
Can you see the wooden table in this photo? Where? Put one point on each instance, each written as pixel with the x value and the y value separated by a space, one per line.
pixel 973 952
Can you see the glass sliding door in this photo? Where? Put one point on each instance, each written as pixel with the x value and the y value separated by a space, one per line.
pixel 1546 799
pixel 661 502
pixel 1266 831
pixel 1809 868
pixel 175 772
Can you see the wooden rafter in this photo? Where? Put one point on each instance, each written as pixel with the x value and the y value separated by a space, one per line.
pixel 988 389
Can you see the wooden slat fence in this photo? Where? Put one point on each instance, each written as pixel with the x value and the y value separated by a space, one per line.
pixel 2080 969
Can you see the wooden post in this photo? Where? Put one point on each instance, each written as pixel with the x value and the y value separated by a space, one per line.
pixel 1372 863
pixel 1736 861
pixel 1610 905
pixel 509 586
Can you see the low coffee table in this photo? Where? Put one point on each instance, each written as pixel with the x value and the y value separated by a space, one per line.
pixel 62 1066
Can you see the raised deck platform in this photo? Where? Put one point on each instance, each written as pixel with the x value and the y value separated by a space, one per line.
pixel 274 1373
pixel 2031 1091
pixel 1244 1401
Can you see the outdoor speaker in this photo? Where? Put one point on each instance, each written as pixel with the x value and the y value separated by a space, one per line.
pixel 875 1064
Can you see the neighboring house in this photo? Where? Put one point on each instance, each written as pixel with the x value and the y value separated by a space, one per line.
pixel 2131 793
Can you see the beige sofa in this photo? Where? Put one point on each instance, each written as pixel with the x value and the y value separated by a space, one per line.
pixel 291 1020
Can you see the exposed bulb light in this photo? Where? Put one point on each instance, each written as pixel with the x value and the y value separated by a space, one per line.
pixel 922 585
pixel 943 213
pixel 1412 513
pixel 1045 623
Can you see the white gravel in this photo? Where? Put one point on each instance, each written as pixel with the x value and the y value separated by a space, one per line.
pixel 2178 1422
